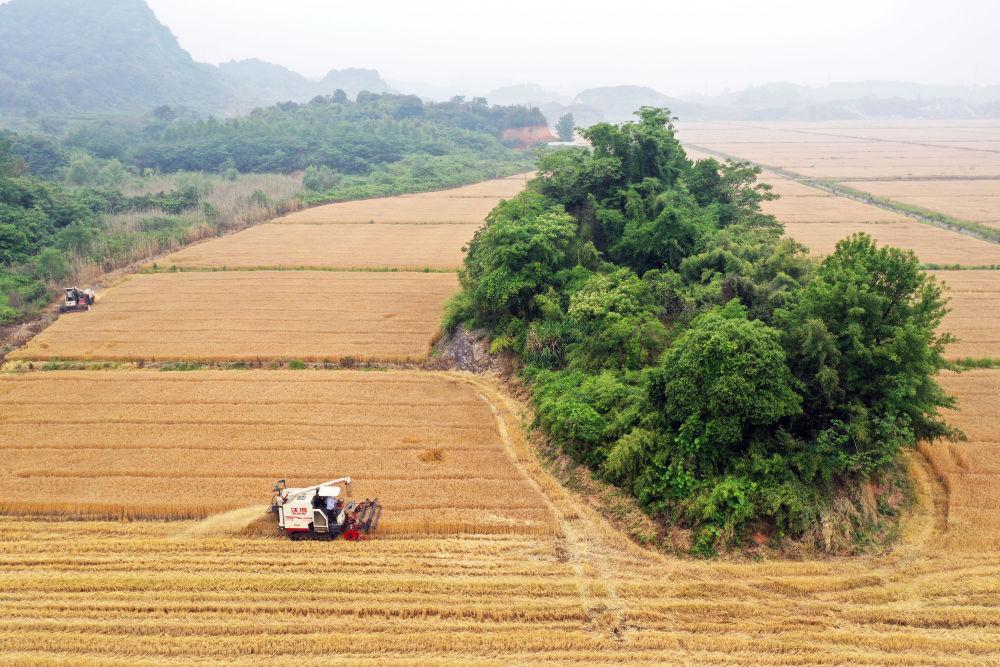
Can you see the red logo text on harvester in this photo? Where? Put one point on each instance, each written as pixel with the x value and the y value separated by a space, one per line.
pixel 299 510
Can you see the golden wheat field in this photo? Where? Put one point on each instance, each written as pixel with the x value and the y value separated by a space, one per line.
pixel 148 444
pixel 974 301
pixel 362 246
pixel 89 592
pixel 414 232
pixel 255 315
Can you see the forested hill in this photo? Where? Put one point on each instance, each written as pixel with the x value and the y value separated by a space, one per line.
pixel 99 56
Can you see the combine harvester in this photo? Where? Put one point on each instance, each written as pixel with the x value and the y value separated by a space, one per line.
pixel 77 300
pixel 318 512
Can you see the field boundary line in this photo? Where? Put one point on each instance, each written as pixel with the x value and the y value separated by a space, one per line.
pixel 927 217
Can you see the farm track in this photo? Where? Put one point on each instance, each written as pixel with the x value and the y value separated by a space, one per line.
pixel 485 557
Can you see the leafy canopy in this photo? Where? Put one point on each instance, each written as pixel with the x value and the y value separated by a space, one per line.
pixel 678 344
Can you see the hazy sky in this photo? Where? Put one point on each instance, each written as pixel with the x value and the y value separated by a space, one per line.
pixel 676 46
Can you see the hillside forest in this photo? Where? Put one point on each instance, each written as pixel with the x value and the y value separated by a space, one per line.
pixel 109 190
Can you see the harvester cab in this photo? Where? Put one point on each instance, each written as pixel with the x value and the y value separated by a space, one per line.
pixel 319 512
pixel 77 300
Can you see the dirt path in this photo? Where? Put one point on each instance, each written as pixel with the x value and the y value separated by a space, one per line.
pixel 595 549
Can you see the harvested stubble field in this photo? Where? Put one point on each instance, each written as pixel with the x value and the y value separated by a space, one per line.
pixel 974 300
pixel 503 188
pixel 150 444
pixel 970 470
pixel 93 591
pixel 800 203
pixel 940 166
pixel 361 246
pixel 932 245
pixel 255 315
pixel 858 150
pixel 972 200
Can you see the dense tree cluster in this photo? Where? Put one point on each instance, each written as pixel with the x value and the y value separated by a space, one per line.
pixel 678 344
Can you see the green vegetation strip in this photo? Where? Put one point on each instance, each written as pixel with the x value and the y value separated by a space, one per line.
pixel 960 267
pixel 185 366
pixel 970 363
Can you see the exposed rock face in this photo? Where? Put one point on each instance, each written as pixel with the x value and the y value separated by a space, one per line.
pixel 469 351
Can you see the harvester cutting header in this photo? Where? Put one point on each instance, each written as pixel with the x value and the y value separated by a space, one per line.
pixel 318 512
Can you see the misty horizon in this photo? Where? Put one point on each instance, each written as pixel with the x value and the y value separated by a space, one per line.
pixel 569 50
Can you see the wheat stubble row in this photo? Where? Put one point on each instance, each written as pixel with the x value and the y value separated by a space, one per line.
pixel 95 591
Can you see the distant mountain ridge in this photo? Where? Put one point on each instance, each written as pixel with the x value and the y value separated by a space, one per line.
pixel 859 100
pixel 67 56
pixel 262 83
pixel 853 100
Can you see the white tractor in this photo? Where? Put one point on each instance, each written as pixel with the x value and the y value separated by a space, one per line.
pixel 318 512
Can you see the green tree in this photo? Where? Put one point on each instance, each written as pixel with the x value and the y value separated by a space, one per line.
pixel 320 179
pixel 10 163
pixel 614 317
pixel 677 229
pixel 565 127
pixel 82 169
pixel 112 174
pixel 515 257
pixel 51 265
pixel 722 386
pixel 14 244
pixel 732 189
pixel 865 341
